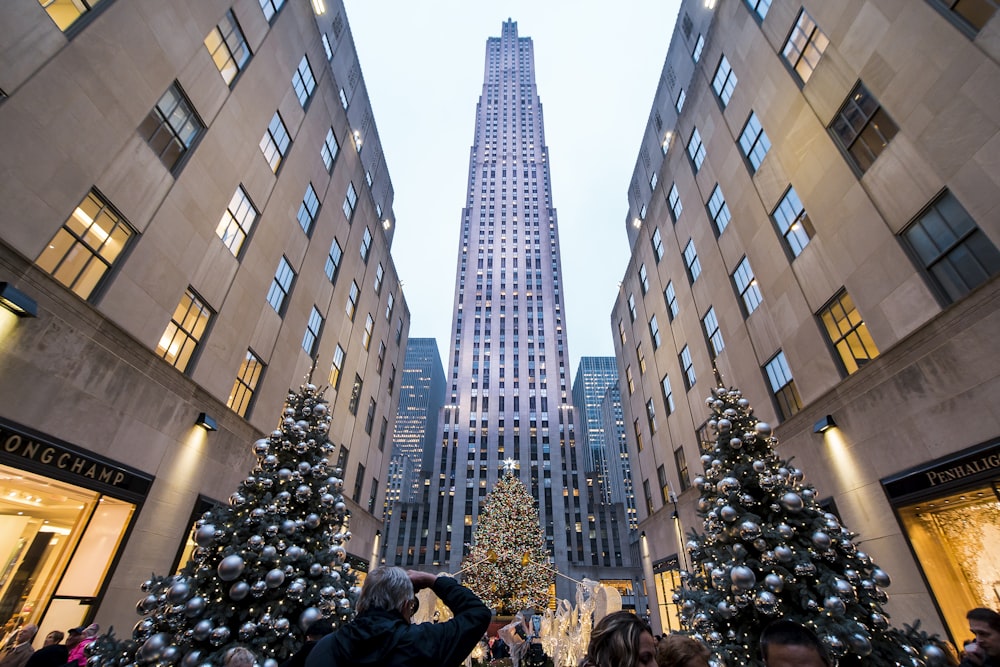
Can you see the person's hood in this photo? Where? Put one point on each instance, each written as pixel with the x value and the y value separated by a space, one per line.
pixel 371 637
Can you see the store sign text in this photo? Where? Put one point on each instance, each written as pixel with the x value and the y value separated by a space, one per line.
pixel 942 476
pixel 57 458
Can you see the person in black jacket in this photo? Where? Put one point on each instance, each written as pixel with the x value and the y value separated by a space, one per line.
pixel 381 633
pixel 316 631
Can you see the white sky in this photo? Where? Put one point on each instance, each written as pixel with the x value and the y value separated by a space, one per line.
pixel 597 67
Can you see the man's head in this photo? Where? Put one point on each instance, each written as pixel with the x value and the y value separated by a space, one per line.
pixel 319 629
pixel 387 588
pixel 53 637
pixel 27 633
pixel 985 625
pixel 788 644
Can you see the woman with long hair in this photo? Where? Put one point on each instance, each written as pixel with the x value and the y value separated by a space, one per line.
pixel 621 639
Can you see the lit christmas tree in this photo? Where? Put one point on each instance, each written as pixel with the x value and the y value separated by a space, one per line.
pixel 770 551
pixel 265 567
pixel 507 564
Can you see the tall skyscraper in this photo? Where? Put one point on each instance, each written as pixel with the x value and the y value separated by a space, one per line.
pixel 593 377
pixel 619 483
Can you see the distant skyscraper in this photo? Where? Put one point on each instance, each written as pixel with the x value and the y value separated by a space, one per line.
pixel 618 482
pixel 593 377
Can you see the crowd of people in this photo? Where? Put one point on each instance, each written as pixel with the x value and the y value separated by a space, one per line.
pixel 19 651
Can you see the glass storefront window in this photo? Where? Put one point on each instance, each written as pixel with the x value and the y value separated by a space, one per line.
pixel 667 581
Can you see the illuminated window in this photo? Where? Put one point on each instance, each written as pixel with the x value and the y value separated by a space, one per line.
pixel 352 300
pixel 637 431
pixel 683 475
pixel 366 338
pixel 237 221
pixel 805 46
pixel 724 81
pixel 281 286
pixel 172 127
pixel 228 47
pixel 629 380
pixel 180 339
pixel 847 332
pixel 337 367
pixel 65 12
pixel 754 142
pixel 242 395
pixel 641 357
pixel 356 388
pixel 651 416
pixel 793 222
pixel 746 286
pixel 973 14
pixel 274 144
pixel 862 128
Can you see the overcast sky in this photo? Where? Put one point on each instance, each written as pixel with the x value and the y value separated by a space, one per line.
pixel 597 66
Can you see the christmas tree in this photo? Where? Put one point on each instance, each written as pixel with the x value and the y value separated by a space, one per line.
pixel 507 564
pixel 264 568
pixel 769 551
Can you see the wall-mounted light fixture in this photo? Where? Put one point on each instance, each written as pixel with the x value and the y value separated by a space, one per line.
pixel 824 424
pixel 206 422
pixel 17 301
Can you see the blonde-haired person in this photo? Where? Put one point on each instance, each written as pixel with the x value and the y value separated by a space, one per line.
pixel 240 657
pixel 621 639
pixel 681 651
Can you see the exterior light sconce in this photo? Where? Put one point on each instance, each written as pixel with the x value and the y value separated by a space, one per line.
pixel 206 422
pixel 386 224
pixel 824 424
pixel 642 534
pixel 637 223
pixel 319 7
pixel 17 301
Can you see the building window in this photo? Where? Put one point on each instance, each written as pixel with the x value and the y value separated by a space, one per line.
pixel 359 481
pixel 370 417
pixel 653 180
pixel 87 246
pixel 862 128
pixel 724 82
pixel 783 386
pixel 343 99
pixel 657 241
pixel 303 82
pixel 670 296
pixel 641 357
pixel 274 144
pixel 313 328
pixel 382 432
pixel 952 249
pixel 847 332
pixel 366 339
pixel 327 48
pixel 712 334
pixel 718 210
pixel 643 279
pixel 668 394
pixel 699 46
pixel 329 150
pixel 172 127
pixel 972 13
pixel 696 150
pixel 680 460
pixel 350 201
pixel 228 47
pixel 352 300
pixel 651 416
pixel 390 302
pixel 793 222
pixel 631 308
pixel 805 46
pixel 356 388
pixel 373 496
pixel 66 12
pixel 679 102
pixel 661 476
pixel 746 286
pixel 379 275
pixel 308 209
pixel 391 384
pixel 759 7
pixel 691 261
pixel 754 142
pixel 646 491
pixel 629 380
pixel 337 367
pixel 399 330
pixel 380 358
pixel 237 221
pixel 281 286
pixel 688 367
pixel 270 8
pixel 333 261
pixel 366 245
pixel 184 332
pixel 637 431
pixel 674 199
pixel 654 331
pixel 241 397
pixel 621 331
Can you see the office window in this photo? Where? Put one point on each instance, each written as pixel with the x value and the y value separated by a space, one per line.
pixel 696 150
pixel 350 201
pixel 637 431
pixel 754 142
pixel 699 46
pixel 379 275
pixel 688 367
pixel 343 99
pixel 270 8
pixel 180 339
pixel 242 394
pixel 954 252
pixel 629 380
pixel 313 328
pixel 337 367
pixel 643 279
pixel 172 127
pixel 657 241
pixel 366 339
pixel 645 487
pixel 303 82
pixel 805 46
pixel 679 102
pixel 399 330
pixel 862 128
pixel 674 199
pixel 366 245
pixel 724 82
pixel 65 13
pixel 971 13
pixel 759 7
pixel 332 267
pixel 651 416
pixel 793 222
pixel 746 286
pixel 370 417
pixel 373 496
pixel 352 300
pixel 390 302
pixel 87 246
pixel 308 209
pixel 668 394
pixel 641 357
pixel 691 261
pixel 237 221
pixel 621 331
pixel 718 210
pixel 652 181
pixel 329 150
pixel 847 332
pixel 783 386
pixel 712 334
pixel 327 49
pixel 683 476
pixel 382 432
pixel 274 144
pixel 359 481
pixel 281 286
pixel 670 296
pixel 631 308
pixel 654 331
pixel 352 405
pixel 661 476
pixel 391 384
pixel 228 47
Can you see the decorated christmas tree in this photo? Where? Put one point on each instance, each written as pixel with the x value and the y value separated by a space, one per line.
pixel 507 564
pixel 769 551
pixel 264 568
